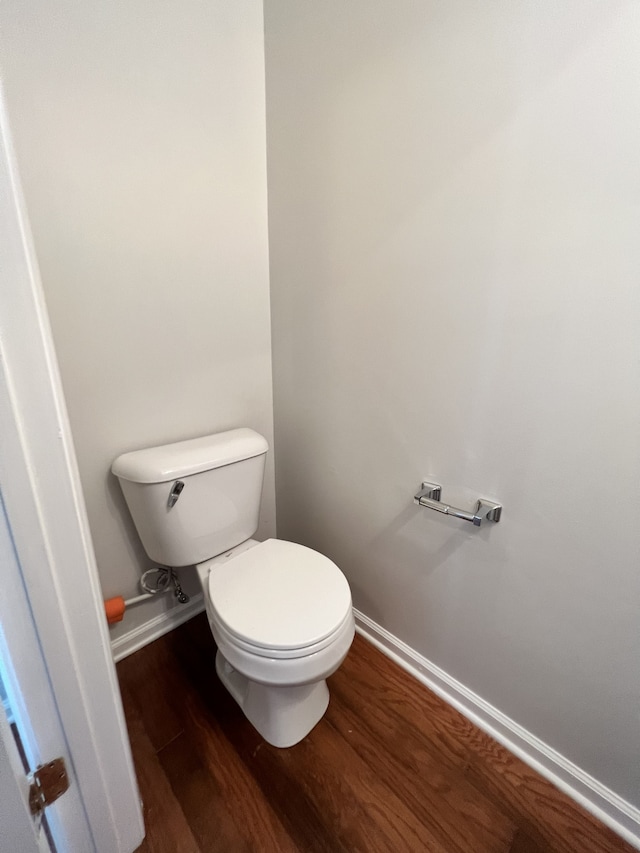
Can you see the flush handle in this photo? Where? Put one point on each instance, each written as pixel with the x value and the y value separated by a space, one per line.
pixel 174 494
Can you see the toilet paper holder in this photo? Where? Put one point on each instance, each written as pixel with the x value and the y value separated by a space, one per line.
pixel 429 497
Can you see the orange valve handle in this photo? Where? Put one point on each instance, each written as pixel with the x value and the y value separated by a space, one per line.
pixel 114 608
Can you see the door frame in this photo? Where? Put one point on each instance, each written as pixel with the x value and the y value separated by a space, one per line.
pixel 46 512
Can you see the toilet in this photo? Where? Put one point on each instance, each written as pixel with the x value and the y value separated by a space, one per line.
pixel 280 613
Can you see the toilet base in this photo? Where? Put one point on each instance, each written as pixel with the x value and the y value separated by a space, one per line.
pixel 282 715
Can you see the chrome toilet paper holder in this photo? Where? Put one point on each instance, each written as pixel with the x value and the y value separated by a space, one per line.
pixel 429 497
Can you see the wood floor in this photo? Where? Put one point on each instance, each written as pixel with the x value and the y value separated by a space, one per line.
pixel 390 767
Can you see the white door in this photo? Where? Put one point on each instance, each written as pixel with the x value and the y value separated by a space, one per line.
pixel 30 729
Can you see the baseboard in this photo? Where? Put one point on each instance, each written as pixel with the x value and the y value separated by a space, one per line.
pixel 144 634
pixel 599 800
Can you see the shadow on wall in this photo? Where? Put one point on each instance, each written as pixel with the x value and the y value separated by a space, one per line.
pixel 397 543
pixel 401 544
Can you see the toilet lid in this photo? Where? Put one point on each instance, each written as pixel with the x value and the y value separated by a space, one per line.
pixel 279 595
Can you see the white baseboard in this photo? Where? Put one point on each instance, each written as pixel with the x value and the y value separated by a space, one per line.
pixel 599 800
pixel 144 634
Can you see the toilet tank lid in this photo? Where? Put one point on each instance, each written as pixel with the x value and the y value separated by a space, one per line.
pixel 184 458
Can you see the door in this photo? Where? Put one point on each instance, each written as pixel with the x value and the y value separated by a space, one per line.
pixel 30 726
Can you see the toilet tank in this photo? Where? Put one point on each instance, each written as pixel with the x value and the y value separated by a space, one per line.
pixel 214 510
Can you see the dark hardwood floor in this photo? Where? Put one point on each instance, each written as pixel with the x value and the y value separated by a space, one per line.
pixel 391 767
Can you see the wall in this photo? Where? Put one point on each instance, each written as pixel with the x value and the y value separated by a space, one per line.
pixel 139 131
pixel 454 211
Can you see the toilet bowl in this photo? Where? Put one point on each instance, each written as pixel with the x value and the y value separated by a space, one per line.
pixel 280 613
pixel 282 619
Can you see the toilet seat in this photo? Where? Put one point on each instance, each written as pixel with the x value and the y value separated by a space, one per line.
pixel 223 634
pixel 279 600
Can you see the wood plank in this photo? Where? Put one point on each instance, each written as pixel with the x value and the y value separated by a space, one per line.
pixel 322 791
pixel 146 676
pixel 522 843
pixel 167 829
pixel 443 799
pixel 221 799
pixel 391 767
pixel 550 818
pixel 351 807
pixel 447 734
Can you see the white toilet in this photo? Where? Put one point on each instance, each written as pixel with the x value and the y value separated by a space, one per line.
pixel 280 613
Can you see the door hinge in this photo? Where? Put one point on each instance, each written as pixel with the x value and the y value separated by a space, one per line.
pixel 48 782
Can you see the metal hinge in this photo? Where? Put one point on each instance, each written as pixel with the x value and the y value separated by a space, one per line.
pixel 48 782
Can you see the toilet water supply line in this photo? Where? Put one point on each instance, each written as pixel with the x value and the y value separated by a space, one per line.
pixel 153 582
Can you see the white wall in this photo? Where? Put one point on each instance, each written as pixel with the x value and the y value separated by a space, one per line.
pixel 454 204
pixel 139 130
